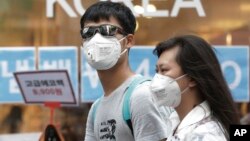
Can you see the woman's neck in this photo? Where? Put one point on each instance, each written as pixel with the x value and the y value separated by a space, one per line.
pixel 189 100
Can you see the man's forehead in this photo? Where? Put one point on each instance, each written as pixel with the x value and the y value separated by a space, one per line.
pixel 111 21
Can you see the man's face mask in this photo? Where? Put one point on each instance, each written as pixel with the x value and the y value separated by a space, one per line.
pixel 102 52
pixel 166 91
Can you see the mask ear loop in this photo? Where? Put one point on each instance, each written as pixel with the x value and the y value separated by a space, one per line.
pixel 178 78
pixel 122 38
pixel 184 90
pixel 124 49
pixel 186 87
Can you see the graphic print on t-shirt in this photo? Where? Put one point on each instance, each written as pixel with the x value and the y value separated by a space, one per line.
pixel 107 130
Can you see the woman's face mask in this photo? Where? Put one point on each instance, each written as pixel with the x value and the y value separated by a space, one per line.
pixel 102 53
pixel 166 91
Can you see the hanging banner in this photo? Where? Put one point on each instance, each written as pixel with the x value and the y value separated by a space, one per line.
pixel 14 59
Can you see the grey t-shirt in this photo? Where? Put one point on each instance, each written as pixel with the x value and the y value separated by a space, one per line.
pixel 147 122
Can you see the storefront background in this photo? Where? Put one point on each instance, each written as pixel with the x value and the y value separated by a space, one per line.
pixel 40 23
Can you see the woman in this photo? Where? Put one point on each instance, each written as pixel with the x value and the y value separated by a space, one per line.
pixel 189 78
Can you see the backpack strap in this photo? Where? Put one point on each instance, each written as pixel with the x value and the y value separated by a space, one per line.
pixel 95 106
pixel 126 102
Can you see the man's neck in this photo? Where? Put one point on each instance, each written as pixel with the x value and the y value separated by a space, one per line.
pixel 113 78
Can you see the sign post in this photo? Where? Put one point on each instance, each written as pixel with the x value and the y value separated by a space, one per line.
pixel 52 106
pixel 51 88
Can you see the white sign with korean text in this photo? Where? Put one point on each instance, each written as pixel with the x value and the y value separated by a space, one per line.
pixel 46 86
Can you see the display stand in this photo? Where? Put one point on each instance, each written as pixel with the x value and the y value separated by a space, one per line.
pixel 52 106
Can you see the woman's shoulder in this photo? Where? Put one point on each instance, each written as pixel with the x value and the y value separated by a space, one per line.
pixel 206 131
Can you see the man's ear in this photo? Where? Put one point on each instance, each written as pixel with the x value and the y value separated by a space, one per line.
pixel 130 40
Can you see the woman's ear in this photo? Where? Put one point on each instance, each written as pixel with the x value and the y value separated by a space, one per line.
pixel 130 40
pixel 191 83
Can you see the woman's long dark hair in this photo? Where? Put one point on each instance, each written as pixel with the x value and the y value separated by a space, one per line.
pixel 197 59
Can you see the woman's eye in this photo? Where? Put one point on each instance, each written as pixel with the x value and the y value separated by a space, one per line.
pixel 164 70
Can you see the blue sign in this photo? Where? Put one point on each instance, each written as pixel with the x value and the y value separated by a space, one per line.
pixel 91 88
pixel 13 60
pixel 64 58
pixel 141 61
pixel 234 63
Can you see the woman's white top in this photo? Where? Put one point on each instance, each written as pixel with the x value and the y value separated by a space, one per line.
pixel 198 125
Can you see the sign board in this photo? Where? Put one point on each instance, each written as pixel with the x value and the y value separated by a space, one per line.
pixel 46 86
pixel 234 63
pixel 11 60
pixel 58 58
pixel 91 88
pixel 79 9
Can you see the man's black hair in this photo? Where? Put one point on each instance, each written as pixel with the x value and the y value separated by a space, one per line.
pixel 104 10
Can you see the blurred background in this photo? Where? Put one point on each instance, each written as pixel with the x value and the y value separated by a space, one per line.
pixel 56 23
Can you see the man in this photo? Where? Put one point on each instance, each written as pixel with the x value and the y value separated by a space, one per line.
pixel 107 30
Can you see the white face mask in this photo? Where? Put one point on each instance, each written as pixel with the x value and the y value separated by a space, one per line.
pixel 166 91
pixel 102 53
